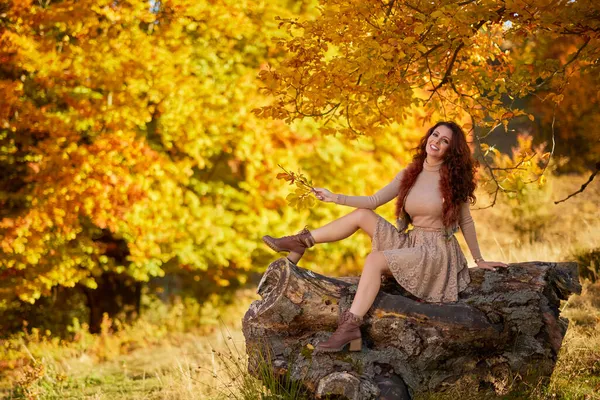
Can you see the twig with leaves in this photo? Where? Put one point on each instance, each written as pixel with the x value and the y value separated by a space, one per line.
pixel 301 197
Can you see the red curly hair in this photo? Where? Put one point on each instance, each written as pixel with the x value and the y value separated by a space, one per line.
pixel 457 174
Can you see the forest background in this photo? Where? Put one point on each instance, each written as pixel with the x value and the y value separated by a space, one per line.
pixel 139 151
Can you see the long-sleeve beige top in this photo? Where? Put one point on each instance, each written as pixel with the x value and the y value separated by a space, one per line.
pixel 423 203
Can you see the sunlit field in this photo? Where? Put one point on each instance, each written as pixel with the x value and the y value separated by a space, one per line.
pixel 158 357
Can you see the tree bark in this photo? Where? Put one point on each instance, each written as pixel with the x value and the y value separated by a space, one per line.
pixel 505 324
pixel 116 295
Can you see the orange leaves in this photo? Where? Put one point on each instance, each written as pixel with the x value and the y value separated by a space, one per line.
pixel 293 177
pixel 151 131
pixel 463 54
pixel 108 124
pixel 419 28
pixel 302 196
pixel 421 48
pixel 285 176
pixel 555 97
pixel 270 78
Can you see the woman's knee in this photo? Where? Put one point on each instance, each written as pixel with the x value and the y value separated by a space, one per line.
pixel 366 219
pixel 364 213
pixel 376 262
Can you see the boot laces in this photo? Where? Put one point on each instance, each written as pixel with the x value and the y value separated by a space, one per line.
pixel 304 230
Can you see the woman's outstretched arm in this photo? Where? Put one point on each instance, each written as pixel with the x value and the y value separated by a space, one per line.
pixel 383 196
pixel 467 227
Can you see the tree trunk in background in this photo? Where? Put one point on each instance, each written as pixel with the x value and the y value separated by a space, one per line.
pixel 507 322
pixel 116 295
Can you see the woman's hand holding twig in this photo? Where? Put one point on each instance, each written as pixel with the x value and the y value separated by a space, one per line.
pixel 324 195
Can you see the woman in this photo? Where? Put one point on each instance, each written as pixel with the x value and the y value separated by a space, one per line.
pixel 433 193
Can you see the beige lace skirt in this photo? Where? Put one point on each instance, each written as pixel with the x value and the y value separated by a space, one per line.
pixel 423 261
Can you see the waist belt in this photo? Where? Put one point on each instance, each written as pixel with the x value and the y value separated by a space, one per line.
pixel 448 233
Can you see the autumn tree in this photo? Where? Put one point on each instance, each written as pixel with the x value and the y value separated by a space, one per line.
pixel 363 65
pixel 126 144
pixel 573 123
pixel 129 151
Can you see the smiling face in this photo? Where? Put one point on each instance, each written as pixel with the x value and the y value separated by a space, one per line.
pixel 439 142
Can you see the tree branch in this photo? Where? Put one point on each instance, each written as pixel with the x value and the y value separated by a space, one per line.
pixel 389 10
pixel 567 64
pixel 487 165
pixel 553 145
pixel 582 188
pixel 446 76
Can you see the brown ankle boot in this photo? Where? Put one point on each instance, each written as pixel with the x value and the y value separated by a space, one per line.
pixel 296 243
pixel 348 331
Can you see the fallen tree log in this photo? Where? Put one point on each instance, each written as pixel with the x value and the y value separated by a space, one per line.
pixel 505 324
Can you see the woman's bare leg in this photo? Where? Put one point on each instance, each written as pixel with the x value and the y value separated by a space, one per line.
pixel 341 228
pixel 345 226
pixel 369 284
